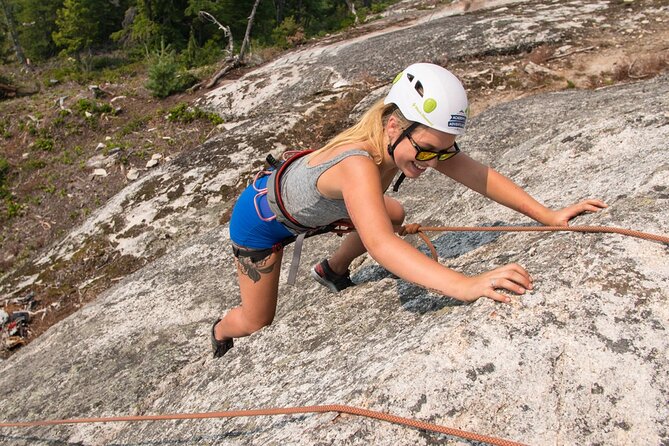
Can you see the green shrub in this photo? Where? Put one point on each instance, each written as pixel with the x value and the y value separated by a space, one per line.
pixel 288 34
pixel 196 56
pixel 4 128
pixel 33 164
pixel 13 207
pixel 88 105
pixel 4 177
pixel 99 63
pixel 166 76
pixel 135 125
pixel 67 157
pixel 49 188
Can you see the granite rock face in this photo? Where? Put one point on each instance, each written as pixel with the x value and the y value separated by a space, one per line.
pixel 582 359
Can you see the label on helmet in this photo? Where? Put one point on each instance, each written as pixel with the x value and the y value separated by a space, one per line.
pixel 457 121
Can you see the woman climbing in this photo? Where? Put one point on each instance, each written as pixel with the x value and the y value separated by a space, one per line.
pixel 413 129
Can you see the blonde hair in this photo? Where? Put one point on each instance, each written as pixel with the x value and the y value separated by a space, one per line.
pixel 368 130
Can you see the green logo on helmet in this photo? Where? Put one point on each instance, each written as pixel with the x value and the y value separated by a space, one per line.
pixel 398 77
pixel 429 105
pixel 418 110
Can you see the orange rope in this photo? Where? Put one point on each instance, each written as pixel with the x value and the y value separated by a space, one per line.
pixel 415 228
pixel 282 411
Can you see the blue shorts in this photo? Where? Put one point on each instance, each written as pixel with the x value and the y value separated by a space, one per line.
pixel 247 229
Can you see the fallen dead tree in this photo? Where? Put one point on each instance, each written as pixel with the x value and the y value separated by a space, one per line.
pixel 232 61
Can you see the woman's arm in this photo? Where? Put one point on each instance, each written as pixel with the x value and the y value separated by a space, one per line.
pixel 360 185
pixel 501 189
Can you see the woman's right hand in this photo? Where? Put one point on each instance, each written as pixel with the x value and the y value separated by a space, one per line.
pixel 511 277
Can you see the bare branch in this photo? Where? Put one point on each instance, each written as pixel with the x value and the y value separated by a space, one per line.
pixel 231 62
pixel 560 56
pixel 351 7
pixel 226 31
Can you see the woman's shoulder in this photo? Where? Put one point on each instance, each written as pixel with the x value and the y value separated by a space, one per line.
pixel 356 150
pixel 345 172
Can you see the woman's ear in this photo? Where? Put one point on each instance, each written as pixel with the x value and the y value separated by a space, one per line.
pixel 392 127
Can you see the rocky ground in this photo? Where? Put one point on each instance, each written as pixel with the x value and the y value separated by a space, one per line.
pixel 60 184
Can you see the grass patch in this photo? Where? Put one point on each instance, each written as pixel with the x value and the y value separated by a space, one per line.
pixel 88 105
pixel 185 114
pixel 33 164
pixel 135 125
pixel 4 128
pixel 44 144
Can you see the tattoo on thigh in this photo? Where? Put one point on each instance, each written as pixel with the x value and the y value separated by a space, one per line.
pixel 253 269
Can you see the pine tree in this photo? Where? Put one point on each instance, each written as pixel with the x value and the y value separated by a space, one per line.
pixel 76 29
pixel 36 21
pixel 158 20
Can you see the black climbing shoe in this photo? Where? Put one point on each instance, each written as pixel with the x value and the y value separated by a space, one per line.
pixel 325 276
pixel 220 347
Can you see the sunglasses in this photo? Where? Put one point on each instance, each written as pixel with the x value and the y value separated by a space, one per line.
pixel 426 155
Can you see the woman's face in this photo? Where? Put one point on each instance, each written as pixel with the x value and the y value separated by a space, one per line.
pixel 425 138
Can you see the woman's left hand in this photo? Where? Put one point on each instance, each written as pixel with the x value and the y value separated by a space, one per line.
pixel 562 216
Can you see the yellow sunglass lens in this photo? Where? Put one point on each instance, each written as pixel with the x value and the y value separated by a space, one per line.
pixel 426 156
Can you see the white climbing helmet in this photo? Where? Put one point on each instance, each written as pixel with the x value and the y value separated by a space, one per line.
pixel 431 95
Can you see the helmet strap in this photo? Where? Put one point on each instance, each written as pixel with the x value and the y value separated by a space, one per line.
pixel 391 147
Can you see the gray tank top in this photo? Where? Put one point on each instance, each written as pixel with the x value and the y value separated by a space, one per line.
pixel 301 197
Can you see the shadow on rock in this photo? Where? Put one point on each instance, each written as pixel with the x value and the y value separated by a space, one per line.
pixel 448 245
pixel 31 439
pixel 214 439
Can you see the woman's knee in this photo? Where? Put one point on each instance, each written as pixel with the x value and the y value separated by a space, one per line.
pixel 252 324
pixel 395 210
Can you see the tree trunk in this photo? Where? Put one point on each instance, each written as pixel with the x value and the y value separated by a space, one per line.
pixel 249 26
pixel 351 7
pixel 280 8
pixel 9 17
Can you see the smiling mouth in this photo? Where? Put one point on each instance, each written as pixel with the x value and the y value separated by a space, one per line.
pixel 422 169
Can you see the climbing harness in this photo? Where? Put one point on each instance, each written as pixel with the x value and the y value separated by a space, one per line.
pixel 273 191
pixel 282 411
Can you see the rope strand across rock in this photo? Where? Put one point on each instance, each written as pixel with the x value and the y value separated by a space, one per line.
pixel 415 228
pixel 281 411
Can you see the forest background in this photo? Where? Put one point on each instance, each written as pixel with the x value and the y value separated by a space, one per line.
pixel 38 30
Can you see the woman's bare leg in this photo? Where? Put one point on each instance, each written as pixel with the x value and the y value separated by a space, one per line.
pixel 353 247
pixel 258 286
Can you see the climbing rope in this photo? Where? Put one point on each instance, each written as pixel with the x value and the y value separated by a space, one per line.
pixel 282 411
pixel 415 228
